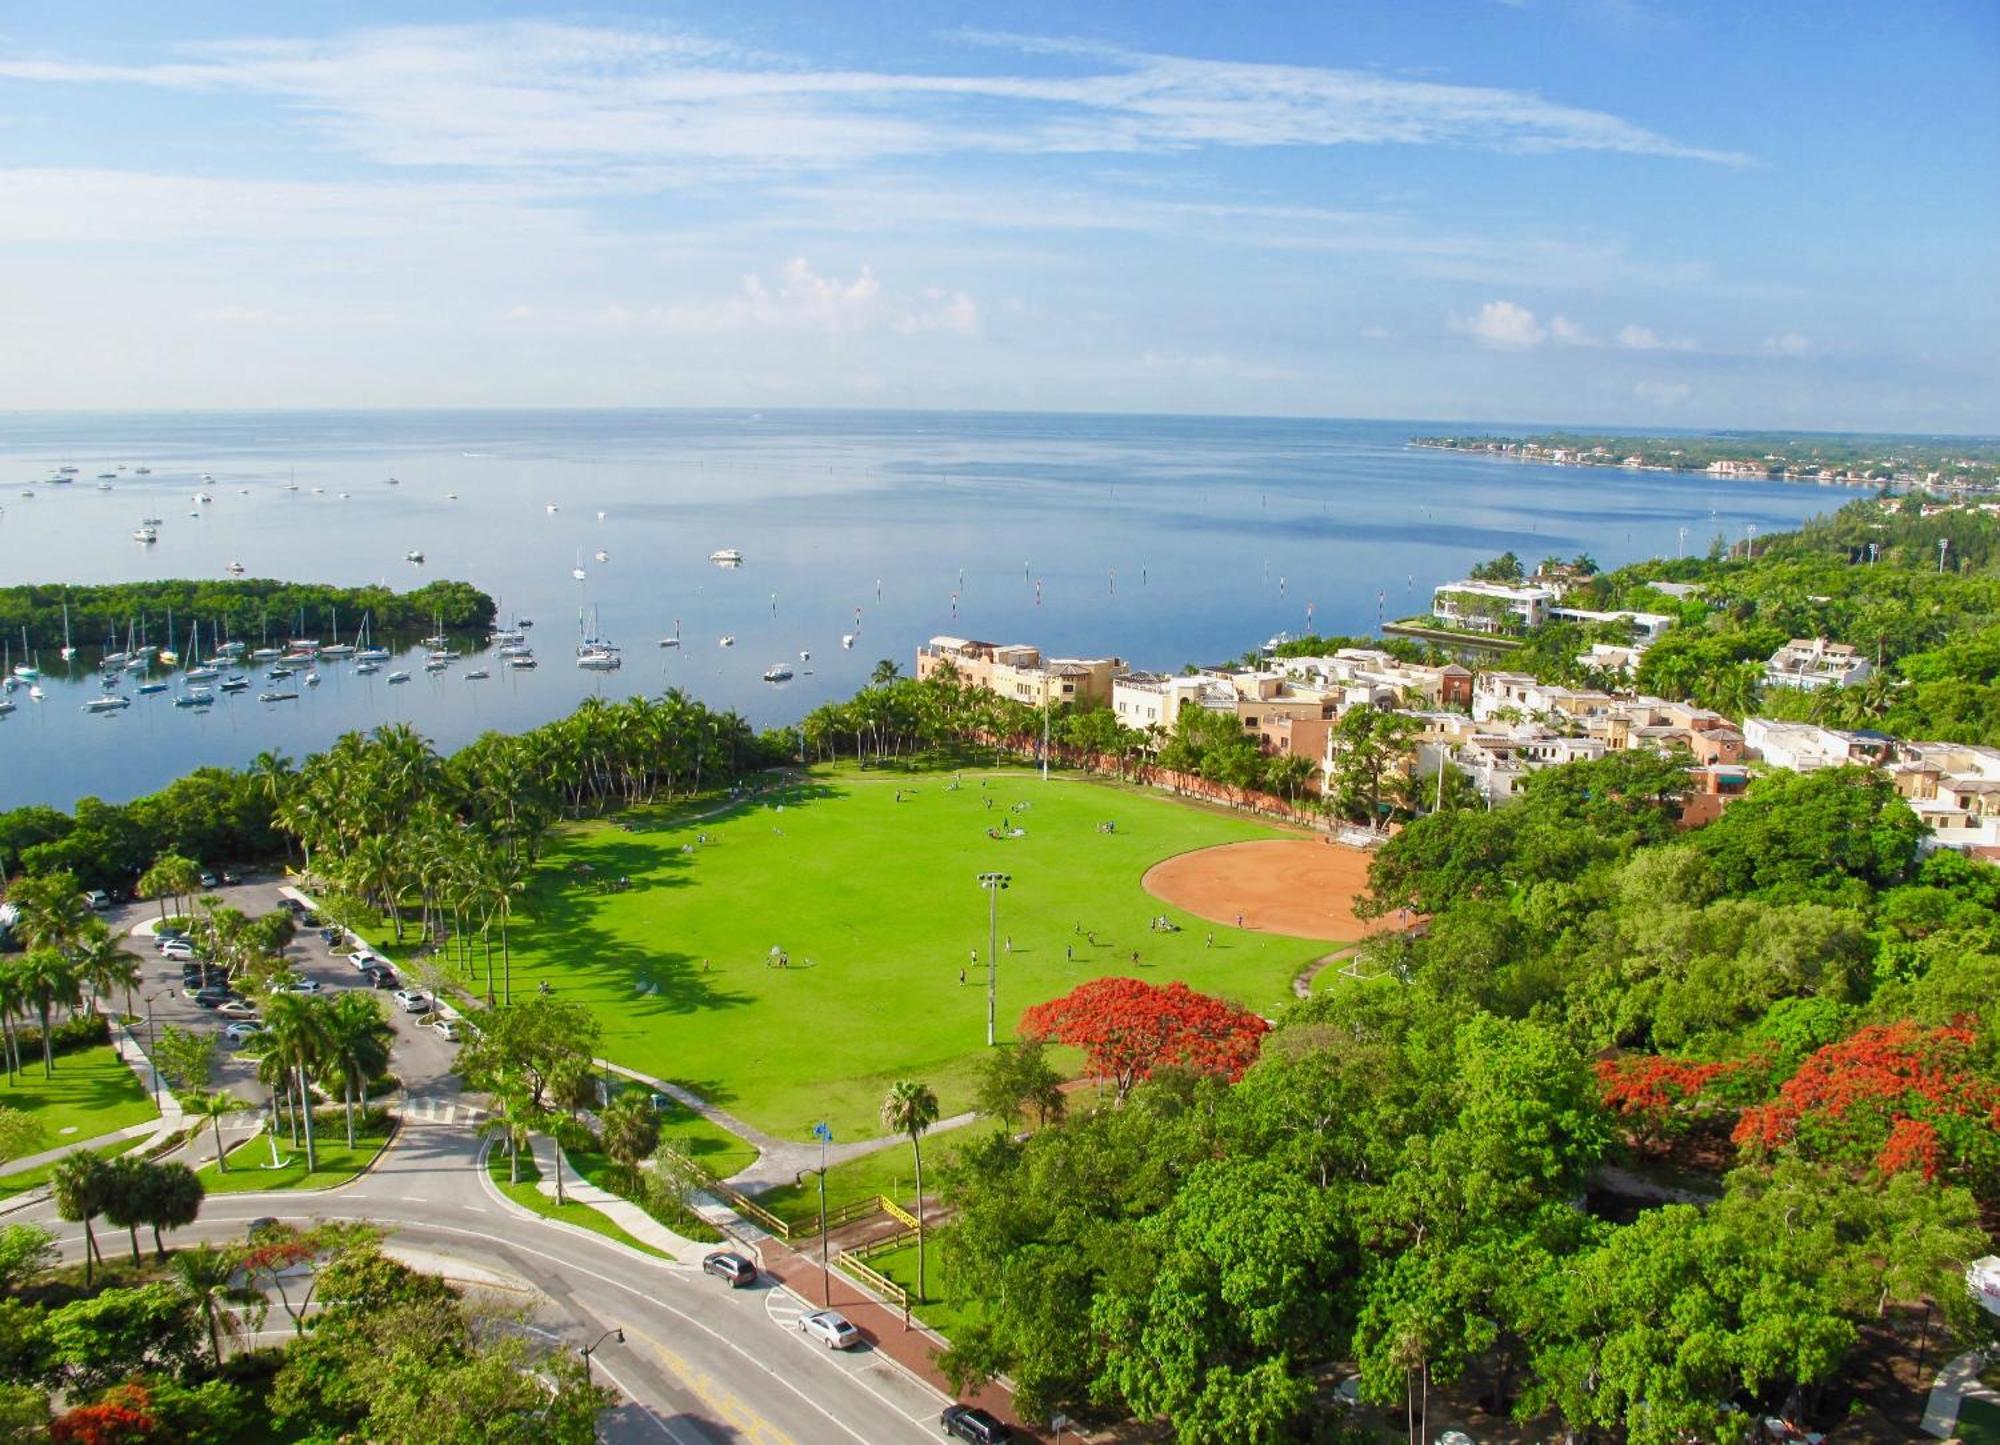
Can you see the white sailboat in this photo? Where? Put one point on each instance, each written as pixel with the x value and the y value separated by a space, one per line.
pixel 68 649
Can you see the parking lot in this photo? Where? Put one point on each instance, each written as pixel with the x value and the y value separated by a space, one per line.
pixel 421 1058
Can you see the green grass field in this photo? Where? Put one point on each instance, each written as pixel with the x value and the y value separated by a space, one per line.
pixel 938 1310
pixel 22 1180
pixel 249 1162
pixel 887 1171
pixel 93 1092
pixel 878 906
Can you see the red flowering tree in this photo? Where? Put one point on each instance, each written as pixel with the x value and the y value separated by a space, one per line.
pixel 1898 1096
pixel 123 1417
pixel 1128 1028
pixel 1656 1093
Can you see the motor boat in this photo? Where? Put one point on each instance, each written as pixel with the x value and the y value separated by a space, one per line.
pixel 413 556
pixel 521 664
pixel 478 674
pixel 367 669
pixel 603 556
pixel 110 702
pixel 145 534
pixel 234 684
pixel 147 689
pixel 805 655
pixel 195 697
pixel 726 640
pixel 398 677
pixel 277 697
pixel 312 679
pixel 670 642
pixel 235 569
pixel 847 641
pixel 599 658
pixel 726 556
pixel 779 673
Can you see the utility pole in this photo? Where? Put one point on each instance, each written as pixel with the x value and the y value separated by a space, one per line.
pixel 993 883
pixel 825 1136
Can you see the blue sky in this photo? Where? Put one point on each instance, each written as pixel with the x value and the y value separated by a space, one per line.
pixel 1612 211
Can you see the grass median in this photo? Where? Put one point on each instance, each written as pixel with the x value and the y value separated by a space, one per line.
pixel 251 1172
pixel 526 1193
pixel 93 1092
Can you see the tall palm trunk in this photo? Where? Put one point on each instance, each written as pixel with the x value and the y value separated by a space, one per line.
pixel 348 1090
pixel 48 1048
pixel 305 1098
pixel 221 1160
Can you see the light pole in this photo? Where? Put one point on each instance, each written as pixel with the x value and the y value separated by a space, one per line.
pixel 1045 727
pixel 825 1136
pixel 1944 546
pixel 152 1049
pixel 589 1350
pixel 993 883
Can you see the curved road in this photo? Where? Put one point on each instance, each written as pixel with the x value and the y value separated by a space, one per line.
pixel 701 1362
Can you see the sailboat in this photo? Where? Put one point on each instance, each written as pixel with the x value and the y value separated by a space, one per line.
pixel 593 653
pixel 577 571
pixel 337 648
pixel 26 671
pixel 366 651
pixel 68 649
pixel 201 671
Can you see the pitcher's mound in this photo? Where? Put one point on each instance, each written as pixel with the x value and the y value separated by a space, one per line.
pixel 1302 887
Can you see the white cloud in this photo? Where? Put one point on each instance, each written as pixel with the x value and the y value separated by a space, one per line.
pixel 1788 343
pixel 1503 326
pixel 798 298
pixel 1568 332
pixel 1634 337
pixel 648 108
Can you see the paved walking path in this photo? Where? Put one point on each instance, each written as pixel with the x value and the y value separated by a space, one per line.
pixel 779 1161
pixel 1957 1380
pixel 621 1212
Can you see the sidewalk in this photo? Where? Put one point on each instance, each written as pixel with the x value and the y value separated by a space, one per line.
pixel 1958 1380
pixel 621 1212
pixel 779 1161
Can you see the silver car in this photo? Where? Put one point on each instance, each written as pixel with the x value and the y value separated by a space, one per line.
pixel 832 1328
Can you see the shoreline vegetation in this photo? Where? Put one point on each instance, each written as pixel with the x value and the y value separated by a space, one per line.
pixel 1830 460
pixel 245 608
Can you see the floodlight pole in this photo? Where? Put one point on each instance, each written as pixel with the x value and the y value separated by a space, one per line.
pixel 822 1133
pixel 992 883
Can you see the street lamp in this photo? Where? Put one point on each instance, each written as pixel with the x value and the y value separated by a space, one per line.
pixel 152 1047
pixel 993 883
pixel 589 1350
pixel 825 1136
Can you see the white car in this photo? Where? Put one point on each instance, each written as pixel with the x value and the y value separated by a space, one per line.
pixel 301 985
pixel 413 1000
pixel 242 1031
pixel 831 1327
pixel 363 958
pixel 177 948
pixel 237 1008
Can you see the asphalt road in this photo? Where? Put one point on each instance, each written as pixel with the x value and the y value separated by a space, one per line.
pixel 701 1362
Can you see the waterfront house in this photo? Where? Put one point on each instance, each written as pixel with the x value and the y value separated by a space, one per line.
pixel 1811 663
pixel 1493 607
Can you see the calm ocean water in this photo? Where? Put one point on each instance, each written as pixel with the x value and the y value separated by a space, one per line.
pixel 1163 540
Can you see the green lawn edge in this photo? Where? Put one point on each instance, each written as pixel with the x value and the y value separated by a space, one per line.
pixel 249 1171
pixel 534 1201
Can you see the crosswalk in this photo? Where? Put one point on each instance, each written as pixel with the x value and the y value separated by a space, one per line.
pixel 439 1109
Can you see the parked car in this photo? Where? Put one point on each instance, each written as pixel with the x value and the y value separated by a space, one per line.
pixel 363 958
pixel 228 877
pixel 413 1001
pixel 238 1008
pixel 98 899
pixel 301 985
pixel 969 1422
pixel 209 880
pixel 309 919
pixel 292 906
pixel 329 936
pixel 831 1328
pixel 177 948
pixel 448 1029
pixel 242 1031
pixel 724 1264
pixel 381 976
pixel 211 998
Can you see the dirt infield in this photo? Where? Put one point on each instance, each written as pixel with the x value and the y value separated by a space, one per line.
pixel 1302 887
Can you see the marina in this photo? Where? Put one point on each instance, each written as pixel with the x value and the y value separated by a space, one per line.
pixel 840 537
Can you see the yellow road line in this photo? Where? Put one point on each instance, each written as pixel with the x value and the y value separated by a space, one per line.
pixel 712 1393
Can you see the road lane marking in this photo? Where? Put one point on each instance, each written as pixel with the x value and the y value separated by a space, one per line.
pixel 717 1396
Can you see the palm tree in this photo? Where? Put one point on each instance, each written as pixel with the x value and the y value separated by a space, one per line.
pixel 79 1180
pixel 513 1119
pixel 358 1039
pixel 14 999
pixel 910 1108
pixel 53 910
pixel 104 965
pixel 208 1275
pixel 212 1109
pixel 296 1027
pixel 49 979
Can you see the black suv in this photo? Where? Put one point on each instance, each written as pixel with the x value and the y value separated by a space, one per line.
pixel 969 1422
pixel 732 1267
